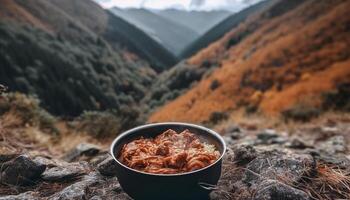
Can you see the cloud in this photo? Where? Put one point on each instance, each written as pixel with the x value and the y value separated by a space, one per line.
pixel 233 5
pixel 197 3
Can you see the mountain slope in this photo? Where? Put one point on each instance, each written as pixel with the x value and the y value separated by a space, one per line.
pixel 199 21
pixel 118 32
pixel 175 37
pixel 297 56
pixel 222 28
pixel 121 33
pixel 50 53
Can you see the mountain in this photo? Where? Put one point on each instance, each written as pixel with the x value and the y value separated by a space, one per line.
pixel 199 21
pixel 291 59
pixel 172 35
pixel 61 56
pixel 222 28
pixel 120 32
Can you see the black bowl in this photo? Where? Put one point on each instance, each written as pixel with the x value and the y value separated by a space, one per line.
pixel 190 185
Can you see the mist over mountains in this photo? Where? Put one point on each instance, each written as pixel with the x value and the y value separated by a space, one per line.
pixel 188 5
pixel 173 29
pixel 172 35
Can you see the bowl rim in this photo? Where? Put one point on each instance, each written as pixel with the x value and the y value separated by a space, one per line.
pixel 217 135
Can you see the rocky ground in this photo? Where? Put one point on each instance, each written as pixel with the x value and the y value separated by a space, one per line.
pixel 312 162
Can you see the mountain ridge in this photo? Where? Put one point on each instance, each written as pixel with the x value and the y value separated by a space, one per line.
pixel 220 29
pixel 200 21
pixel 172 35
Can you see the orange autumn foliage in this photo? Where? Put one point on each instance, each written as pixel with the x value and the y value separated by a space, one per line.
pixel 304 52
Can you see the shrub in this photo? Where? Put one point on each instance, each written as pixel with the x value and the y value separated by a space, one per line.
pixel 105 124
pixel 250 109
pixel 338 99
pixel 98 124
pixel 28 109
pixel 301 113
pixel 217 117
pixel 206 64
pixel 214 84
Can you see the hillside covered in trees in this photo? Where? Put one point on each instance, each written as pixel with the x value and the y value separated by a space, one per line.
pixel 70 59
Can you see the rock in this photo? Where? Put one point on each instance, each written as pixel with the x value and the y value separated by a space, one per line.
pixel 267 135
pixel 270 136
pixel 45 161
pixel 278 140
pixel 277 165
pixel 244 154
pixel 65 173
pixel 108 189
pixel 83 149
pixel 229 156
pixel 95 198
pixel 333 130
pixel 339 160
pixel 78 190
pixel 234 132
pixel 98 159
pixel 23 196
pixel 7 157
pixel 232 128
pixel 228 140
pixel 297 143
pixel 271 189
pixel 333 145
pixel 108 167
pixel 20 171
pixel 236 135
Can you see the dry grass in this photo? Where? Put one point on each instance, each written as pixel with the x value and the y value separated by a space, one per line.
pixel 22 139
pixel 70 138
pixel 259 121
pixel 329 182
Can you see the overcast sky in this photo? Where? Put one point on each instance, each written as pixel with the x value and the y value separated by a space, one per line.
pixel 232 5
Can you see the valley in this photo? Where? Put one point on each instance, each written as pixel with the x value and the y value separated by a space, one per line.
pixel 271 77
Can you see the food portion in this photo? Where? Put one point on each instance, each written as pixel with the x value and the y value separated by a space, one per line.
pixel 168 153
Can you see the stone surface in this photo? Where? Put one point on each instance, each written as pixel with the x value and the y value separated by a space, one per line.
pixel 99 158
pixel 46 161
pixel 270 136
pixel 335 144
pixel 297 143
pixel 234 132
pixel 339 160
pixel 22 196
pixel 257 165
pixel 63 173
pixel 244 154
pixel 267 134
pixel 278 165
pixel 108 167
pixel 20 171
pixel 273 190
pixel 83 149
pixel 77 191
